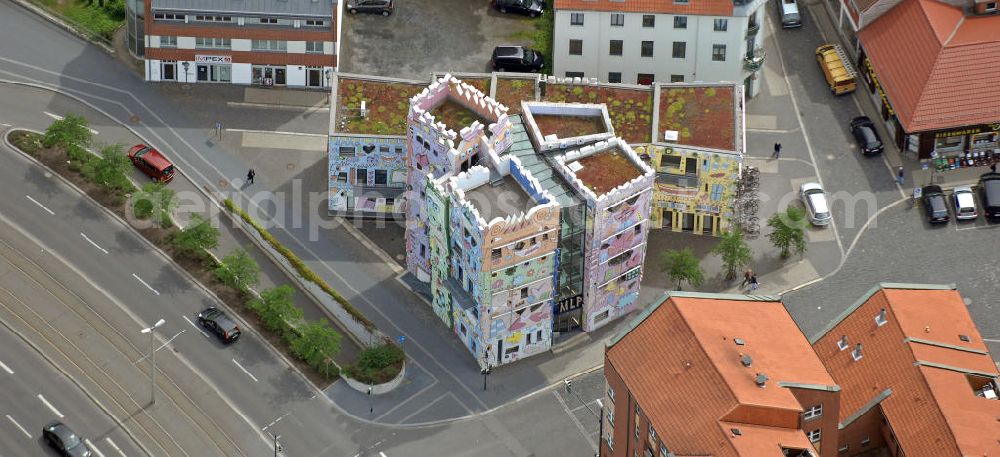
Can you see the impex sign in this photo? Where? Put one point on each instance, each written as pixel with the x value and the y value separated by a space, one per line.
pixel 213 59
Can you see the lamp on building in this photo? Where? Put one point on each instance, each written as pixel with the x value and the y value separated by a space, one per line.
pixel 186 65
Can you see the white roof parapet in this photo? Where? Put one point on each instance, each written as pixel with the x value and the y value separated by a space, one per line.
pixel 615 193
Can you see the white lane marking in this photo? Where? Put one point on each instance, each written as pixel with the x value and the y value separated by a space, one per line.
pixel 112 443
pixel 11 419
pixel 93 243
pixel 93 448
pixel 53 408
pixel 195 326
pixel 381 454
pixel 59 118
pixel 275 421
pixel 245 371
pixel 40 205
pixel 6 368
pixel 144 283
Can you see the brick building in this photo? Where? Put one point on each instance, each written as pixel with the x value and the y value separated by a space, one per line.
pixel 290 43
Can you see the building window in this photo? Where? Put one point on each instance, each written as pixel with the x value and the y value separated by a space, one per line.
pixel 680 22
pixel 268 20
pixel 315 23
pixel 614 77
pixel 361 177
pixel 342 177
pixel 575 18
pixel 843 449
pixel 576 47
pixel 524 292
pixel 676 78
pixel 213 18
pixel 615 48
pixel 681 2
pixel 611 394
pixel 680 49
pixel 347 151
pixel 652 434
pixel 719 52
pixel 814 436
pixel 314 47
pixel 495 255
pixel 647 49
pixel 813 412
pixel 168 17
pixel 602 316
pixel 574 74
pixel 648 20
pixel 269 45
pixel 168 42
pixel 617 19
pixel 721 25
pixel 212 43
pixel 611 442
pixel 645 78
pixel 381 178
pixel 866 441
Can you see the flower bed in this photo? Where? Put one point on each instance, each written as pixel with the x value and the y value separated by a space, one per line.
pixel 377 364
pixel 631 110
pixel 387 104
pixel 703 116
pixel 568 126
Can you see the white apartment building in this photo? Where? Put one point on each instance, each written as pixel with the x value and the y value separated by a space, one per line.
pixel 643 41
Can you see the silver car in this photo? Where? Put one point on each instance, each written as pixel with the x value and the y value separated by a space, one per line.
pixel 965 203
pixel 814 199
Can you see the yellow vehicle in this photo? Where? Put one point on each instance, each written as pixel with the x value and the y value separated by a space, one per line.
pixel 836 67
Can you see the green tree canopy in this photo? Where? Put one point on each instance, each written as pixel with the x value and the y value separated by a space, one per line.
pixel 276 309
pixel 316 341
pixel 238 270
pixel 788 231
pixel 682 265
pixel 156 201
pixel 198 236
pixel 110 170
pixel 68 131
pixel 734 251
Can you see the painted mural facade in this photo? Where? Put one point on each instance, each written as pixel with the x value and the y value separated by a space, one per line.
pixel 694 188
pixel 367 173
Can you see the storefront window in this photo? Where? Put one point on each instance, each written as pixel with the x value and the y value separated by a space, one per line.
pixel 949 143
pixel 984 140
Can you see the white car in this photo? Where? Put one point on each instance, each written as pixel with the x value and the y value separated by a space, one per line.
pixel 814 198
pixel 965 203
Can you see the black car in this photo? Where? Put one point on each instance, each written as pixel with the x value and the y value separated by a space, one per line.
pixel 533 8
pixel 989 193
pixel 59 437
pixel 935 205
pixel 517 58
pixel 866 135
pixel 220 324
pixel 383 7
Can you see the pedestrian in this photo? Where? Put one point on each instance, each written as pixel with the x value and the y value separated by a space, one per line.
pixel 753 282
pixel 746 277
pixel 777 150
pixel 899 175
pixel 993 167
pixel 250 175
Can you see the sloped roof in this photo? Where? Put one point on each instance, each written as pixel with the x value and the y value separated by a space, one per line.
pixel 289 7
pixel 937 65
pixel 704 7
pixel 681 355
pixel 918 354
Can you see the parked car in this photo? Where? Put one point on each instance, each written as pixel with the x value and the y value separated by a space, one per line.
pixel 533 8
pixel 935 205
pixel 965 203
pixel 989 192
pixel 383 7
pixel 814 198
pixel 789 14
pixel 866 135
pixel 220 324
pixel 152 163
pixel 517 58
pixel 61 438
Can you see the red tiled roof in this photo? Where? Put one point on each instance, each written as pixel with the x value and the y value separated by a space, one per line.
pixel 683 357
pixel 937 66
pixel 933 410
pixel 704 7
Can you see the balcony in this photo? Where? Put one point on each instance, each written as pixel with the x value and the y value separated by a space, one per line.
pixel 754 60
pixel 752 29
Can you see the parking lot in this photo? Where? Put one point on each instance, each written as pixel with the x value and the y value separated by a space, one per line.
pixel 426 36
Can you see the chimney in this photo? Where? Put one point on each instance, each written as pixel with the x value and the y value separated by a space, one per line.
pixel 856 354
pixel 842 344
pixel 880 318
pixel 746 361
pixel 760 379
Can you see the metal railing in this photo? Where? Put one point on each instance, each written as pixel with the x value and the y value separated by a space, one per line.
pixel 754 59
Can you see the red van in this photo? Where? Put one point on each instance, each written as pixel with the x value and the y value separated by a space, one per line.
pixel 152 163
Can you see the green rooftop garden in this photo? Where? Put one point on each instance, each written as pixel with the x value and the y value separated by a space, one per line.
pixel 631 110
pixel 703 116
pixel 387 104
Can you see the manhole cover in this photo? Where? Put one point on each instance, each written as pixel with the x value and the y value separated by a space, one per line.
pixel 134 119
pixel 223 183
pixel 290 166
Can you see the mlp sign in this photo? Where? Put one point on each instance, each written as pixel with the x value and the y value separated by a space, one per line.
pixel 212 59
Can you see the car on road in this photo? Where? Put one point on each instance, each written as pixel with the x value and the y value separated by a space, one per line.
pixel 867 137
pixel 533 8
pixel 965 203
pixel 935 205
pixel 152 163
pixel 989 192
pixel 220 324
pixel 383 7
pixel 814 198
pixel 789 14
pixel 517 58
pixel 61 438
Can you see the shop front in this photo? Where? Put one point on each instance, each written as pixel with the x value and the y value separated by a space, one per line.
pixel 269 75
pixel 973 146
pixel 213 68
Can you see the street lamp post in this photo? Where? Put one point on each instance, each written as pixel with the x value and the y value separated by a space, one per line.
pixel 486 368
pixel 152 359
pixel 185 65
pixel 277 444
pixel 371 409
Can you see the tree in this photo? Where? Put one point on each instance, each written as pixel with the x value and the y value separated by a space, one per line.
pixel 316 341
pixel 276 309
pixel 788 231
pixel 238 270
pixel 110 170
pixel 734 251
pixel 682 266
pixel 198 236
pixel 157 201
pixel 68 131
